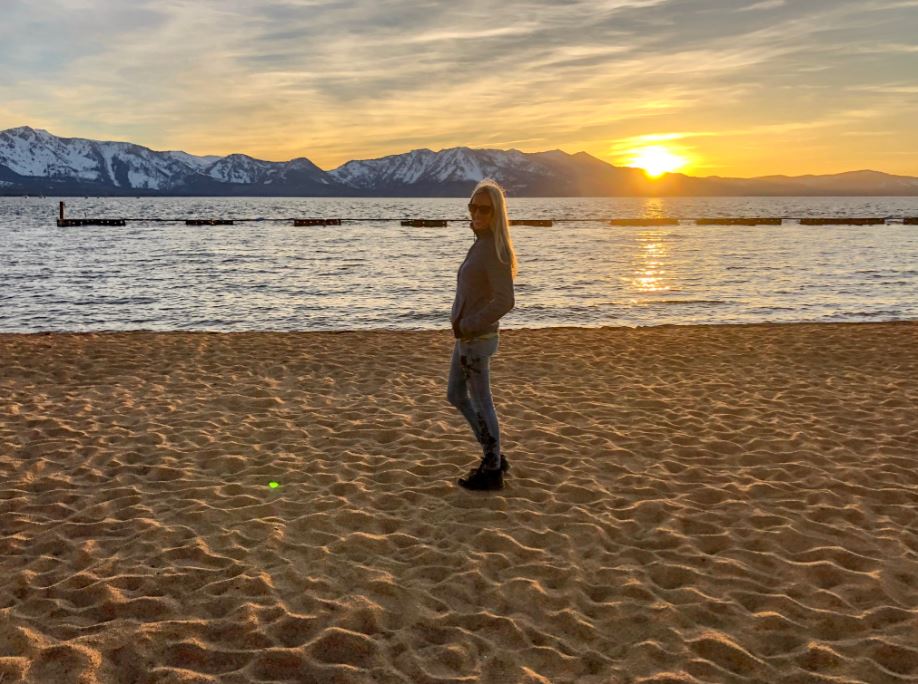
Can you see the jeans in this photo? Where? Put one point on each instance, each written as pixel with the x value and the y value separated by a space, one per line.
pixel 469 390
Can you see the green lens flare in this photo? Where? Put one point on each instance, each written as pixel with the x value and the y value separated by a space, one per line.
pixel 273 485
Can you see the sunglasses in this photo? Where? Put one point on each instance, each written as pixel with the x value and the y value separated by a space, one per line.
pixel 482 208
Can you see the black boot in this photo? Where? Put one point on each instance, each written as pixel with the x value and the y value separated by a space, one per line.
pixel 504 464
pixel 482 478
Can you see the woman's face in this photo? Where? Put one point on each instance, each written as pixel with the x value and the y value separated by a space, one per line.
pixel 482 210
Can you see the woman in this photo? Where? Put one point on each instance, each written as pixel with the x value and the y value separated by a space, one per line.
pixel 484 293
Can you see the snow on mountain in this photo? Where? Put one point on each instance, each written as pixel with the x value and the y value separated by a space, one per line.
pixel 424 166
pixel 31 152
pixel 238 168
pixel 241 168
pixel 199 163
pixel 400 168
pixel 35 153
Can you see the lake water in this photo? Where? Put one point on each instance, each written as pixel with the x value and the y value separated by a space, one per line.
pixel 264 275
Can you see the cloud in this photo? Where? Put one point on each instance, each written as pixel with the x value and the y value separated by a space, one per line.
pixel 888 88
pixel 338 79
pixel 764 5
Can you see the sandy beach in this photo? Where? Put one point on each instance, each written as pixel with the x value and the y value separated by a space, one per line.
pixel 685 503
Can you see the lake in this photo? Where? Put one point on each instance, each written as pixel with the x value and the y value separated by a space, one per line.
pixel 376 274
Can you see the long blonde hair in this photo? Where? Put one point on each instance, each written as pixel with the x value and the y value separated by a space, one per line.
pixel 500 224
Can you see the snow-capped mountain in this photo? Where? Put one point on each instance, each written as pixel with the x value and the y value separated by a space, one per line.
pixel 556 173
pixel 38 154
pixel 241 168
pixel 424 168
pixel 455 171
pixel 33 161
pixel 199 163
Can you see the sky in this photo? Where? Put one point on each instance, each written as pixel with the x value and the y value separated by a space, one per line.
pixel 733 88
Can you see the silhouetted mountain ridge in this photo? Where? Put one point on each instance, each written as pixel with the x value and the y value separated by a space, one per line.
pixel 33 161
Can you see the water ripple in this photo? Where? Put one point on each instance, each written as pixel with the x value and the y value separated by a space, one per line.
pixel 252 276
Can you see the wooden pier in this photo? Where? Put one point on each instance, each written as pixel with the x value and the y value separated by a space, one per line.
pixel 739 221
pixel 425 223
pixel 654 222
pixel 542 223
pixel 69 223
pixel 317 222
pixel 644 222
pixel 873 221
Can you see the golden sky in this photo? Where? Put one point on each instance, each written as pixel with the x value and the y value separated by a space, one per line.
pixel 736 88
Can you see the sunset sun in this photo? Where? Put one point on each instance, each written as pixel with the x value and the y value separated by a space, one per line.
pixel 657 160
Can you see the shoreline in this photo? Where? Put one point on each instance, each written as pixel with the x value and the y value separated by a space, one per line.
pixel 698 502
pixel 759 324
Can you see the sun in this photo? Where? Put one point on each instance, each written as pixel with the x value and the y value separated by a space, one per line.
pixel 656 160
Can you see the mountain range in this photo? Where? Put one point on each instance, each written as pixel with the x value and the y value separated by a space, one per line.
pixel 33 162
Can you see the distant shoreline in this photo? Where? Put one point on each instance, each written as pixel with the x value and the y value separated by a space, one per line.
pixel 36 162
pixel 446 196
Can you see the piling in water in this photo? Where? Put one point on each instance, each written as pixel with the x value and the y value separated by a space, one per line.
pixel 544 223
pixel 317 222
pixel 440 223
pixel 644 222
pixel 842 221
pixel 424 223
pixel 738 221
pixel 69 223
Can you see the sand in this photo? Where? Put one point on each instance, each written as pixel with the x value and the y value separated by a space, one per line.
pixel 685 503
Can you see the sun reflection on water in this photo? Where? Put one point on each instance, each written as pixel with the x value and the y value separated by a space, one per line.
pixel 650 263
pixel 653 208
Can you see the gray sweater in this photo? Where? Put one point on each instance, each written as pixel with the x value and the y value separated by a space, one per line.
pixel 484 289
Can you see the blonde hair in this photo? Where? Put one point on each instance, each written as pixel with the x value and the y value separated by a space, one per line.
pixel 500 224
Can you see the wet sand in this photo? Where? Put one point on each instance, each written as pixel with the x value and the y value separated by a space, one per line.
pixel 685 503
